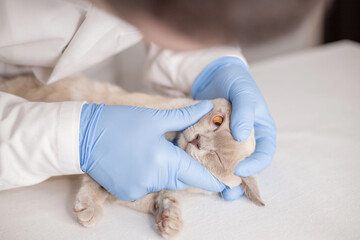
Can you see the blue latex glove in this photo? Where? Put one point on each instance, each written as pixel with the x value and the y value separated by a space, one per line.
pixel 229 77
pixel 124 150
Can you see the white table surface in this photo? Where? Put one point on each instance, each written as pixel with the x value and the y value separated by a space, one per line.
pixel 311 190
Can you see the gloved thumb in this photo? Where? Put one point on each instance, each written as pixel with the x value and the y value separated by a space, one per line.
pixel 182 118
pixel 191 173
pixel 233 194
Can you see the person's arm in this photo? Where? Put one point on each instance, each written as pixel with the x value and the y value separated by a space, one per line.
pixel 220 73
pixel 37 140
pixel 120 167
pixel 123 148
pixel 173 73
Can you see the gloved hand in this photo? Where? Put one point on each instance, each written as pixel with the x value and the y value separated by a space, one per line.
pixel 124 150
pixel 229 77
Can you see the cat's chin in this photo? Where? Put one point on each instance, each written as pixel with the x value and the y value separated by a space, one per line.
pixel 230 181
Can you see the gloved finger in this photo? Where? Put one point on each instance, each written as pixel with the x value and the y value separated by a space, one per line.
pixel 259 160
pixel 182 118
pixel 231 194
pixel 242 116
pixel 192 173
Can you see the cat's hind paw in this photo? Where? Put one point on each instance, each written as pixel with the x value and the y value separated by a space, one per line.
pixel 88 214
pixel 168 217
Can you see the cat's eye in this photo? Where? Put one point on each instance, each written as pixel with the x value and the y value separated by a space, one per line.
pixel 217 121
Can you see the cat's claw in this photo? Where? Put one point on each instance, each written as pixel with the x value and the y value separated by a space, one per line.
pixel 88 214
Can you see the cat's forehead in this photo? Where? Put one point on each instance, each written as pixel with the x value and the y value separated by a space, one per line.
pixel 221 105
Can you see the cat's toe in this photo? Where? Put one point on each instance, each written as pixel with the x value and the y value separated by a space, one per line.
pixel 88 214
pixel 169 222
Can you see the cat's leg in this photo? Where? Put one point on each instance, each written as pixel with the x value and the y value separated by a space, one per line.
pixel 89 202
pixel 168 214
pixel 164 206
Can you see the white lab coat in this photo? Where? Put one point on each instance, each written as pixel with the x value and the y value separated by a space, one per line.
pixel 55 39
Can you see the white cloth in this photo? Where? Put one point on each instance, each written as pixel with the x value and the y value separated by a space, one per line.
pixel 311 190
pixel 55 39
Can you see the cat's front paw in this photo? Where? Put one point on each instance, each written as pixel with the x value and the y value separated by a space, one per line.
pixel 168 217
pixel 88 214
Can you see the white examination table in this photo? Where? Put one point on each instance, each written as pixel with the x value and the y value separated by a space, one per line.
pixel 311 190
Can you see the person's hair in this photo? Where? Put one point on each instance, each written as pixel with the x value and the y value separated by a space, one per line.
pixel 244 21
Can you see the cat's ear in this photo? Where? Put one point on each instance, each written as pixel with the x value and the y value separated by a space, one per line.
pixel 251 188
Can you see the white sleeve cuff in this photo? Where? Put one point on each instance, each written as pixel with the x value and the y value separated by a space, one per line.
pixel 68 137
pixel 37 140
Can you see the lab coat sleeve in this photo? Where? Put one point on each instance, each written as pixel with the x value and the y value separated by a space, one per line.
pixel 173 73
pixel 37 140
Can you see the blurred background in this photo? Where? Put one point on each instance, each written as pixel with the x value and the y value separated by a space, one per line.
pixel 327 21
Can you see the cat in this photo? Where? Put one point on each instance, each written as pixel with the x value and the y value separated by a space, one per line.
pixel 209 141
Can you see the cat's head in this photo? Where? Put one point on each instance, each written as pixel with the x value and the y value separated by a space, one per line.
pixel 211 143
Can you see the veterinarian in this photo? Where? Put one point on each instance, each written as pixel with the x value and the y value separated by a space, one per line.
pixel 123 147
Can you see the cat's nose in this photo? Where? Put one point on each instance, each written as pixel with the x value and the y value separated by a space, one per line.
pixel 196 141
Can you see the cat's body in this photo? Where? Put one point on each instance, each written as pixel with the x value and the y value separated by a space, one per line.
pixel 212 145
